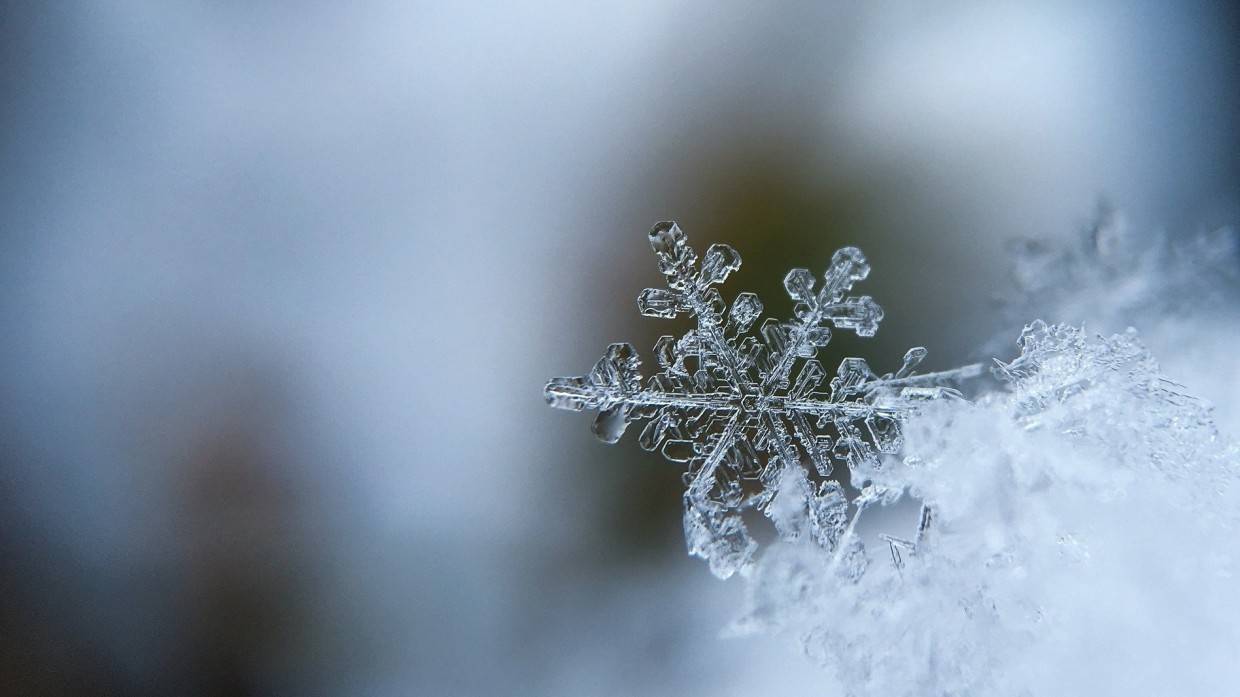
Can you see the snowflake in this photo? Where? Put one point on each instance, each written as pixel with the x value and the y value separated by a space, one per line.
pixel 752 417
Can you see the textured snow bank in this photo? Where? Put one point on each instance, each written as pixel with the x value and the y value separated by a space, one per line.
pixel 1082 541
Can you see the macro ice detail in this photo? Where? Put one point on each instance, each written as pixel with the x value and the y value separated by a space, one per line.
pixel 753 415
pixel 1083 513
pixel 1077 513
pixel 1180 289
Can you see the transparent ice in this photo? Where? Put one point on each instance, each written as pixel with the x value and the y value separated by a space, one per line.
pixel 1181 291
pixel 1071 532
pixel 754 417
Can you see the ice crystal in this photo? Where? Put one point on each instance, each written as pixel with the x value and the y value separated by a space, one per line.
pixel 1081 519
pixel 1080 516
pixel 1180 290
pixel 753 416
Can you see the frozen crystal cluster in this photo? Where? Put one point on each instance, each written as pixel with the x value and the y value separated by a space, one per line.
pixel 753 416
pixel 1180 290
pixel 1084 519
pixel 1071 532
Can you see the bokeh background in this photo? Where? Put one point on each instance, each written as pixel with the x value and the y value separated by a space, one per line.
pixel 280 284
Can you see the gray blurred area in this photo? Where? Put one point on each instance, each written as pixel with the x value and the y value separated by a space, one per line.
pixel 280 284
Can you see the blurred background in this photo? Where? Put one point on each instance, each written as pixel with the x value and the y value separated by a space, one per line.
pixel 281 283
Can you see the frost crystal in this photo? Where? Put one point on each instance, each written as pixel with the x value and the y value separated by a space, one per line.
pixel 1084 518
pixel 1081 516
pixel 1180 290
pixel 753 417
